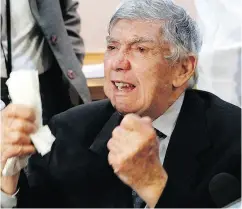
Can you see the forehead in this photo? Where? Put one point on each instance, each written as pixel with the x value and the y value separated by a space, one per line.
pixel 124 30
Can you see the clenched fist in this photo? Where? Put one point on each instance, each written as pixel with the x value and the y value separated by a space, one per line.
pixel 134 156
pixel 17 123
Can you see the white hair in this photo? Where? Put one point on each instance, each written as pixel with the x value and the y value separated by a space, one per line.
pixel 178 28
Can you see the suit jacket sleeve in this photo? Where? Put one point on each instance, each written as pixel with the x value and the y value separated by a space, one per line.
pixel 72 22
pixel 37 189
pixel 171 197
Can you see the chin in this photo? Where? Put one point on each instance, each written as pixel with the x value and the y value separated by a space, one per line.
pixel 124 109
pixel 124 105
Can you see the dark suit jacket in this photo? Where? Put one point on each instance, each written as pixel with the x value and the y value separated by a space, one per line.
pixel 59 23
pixel 205 142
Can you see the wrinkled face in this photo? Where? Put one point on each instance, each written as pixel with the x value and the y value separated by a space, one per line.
pixel 138 79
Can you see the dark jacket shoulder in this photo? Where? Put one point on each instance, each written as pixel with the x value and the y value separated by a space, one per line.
pixel 221 124
pixel 82 117
pixel 75 130
pixel 222 118
pixel 206 141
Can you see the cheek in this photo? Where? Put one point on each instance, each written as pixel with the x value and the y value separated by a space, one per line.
pixel 147 89
pixel 149 78
pixel 154 81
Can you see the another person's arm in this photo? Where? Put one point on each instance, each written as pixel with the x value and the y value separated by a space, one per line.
pixel 73 24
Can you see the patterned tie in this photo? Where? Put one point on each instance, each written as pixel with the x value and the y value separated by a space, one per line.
pixel 137 201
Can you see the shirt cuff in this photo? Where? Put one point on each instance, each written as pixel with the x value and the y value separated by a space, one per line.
pixel 8 201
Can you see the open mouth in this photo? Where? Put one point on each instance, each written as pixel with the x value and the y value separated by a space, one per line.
pixel 123 86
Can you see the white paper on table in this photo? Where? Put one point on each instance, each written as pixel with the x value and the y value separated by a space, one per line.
pixel 23 87
pixel 93 71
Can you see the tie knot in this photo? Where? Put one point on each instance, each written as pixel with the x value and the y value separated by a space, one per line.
pixel 160 134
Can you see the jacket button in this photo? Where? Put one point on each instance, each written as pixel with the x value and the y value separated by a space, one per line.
pixel 53 39
pixel 71 74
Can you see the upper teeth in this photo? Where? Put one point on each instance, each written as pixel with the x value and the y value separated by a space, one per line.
pixel 120 85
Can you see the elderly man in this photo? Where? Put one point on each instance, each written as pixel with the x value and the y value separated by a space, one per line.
pixel 153 143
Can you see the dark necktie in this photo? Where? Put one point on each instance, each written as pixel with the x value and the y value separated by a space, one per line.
pixel 137 201
pixel 160 134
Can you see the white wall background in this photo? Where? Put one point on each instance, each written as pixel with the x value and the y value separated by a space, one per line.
pixel 95 15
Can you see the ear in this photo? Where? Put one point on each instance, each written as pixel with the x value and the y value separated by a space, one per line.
pixel 184 70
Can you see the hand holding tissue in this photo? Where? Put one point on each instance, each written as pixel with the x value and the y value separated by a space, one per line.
pixel 23 86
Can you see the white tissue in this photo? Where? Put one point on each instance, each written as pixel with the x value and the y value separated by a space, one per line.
pixel 23 87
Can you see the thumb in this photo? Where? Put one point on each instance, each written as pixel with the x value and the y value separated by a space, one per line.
pixel 146 120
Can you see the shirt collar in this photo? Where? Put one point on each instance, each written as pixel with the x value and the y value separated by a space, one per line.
pixel 167 121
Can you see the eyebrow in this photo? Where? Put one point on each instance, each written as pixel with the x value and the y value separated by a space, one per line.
pixel 132 41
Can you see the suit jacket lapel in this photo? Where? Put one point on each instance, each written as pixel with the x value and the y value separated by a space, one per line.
pixel 122 196
pixel 99 145
pixel 34 9
pixel 188 140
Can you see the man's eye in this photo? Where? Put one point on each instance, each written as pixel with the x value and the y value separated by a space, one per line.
pixel 141 49
pixel 110 47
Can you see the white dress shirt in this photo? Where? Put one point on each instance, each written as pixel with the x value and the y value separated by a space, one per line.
pixel 29 49
pixel 165 124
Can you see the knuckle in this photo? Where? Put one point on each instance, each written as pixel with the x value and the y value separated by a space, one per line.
pixel 131 121
pixel 110 159
pixel 18 135
pixel 19 150
pixel 31 149
pixel 24 126
pixel 116 132
pixel 128 118
pixel 109 144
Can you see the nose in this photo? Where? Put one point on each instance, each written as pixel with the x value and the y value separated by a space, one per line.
pixel 121 62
